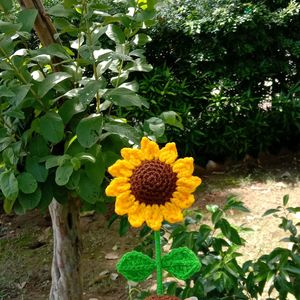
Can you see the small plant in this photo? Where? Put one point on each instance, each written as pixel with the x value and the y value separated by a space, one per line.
pixel 281 267
pixel 217 245
pixel 222 275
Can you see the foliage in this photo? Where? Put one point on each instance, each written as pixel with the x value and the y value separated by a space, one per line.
pixel 234 65
pixel 281 267
pixel 217 247
pixel 223 274
pixel 60 127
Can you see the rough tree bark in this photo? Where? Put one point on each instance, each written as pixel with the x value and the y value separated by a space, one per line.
pixel 43 26
pixel 66 267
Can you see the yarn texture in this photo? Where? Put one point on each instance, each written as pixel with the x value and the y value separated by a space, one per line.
pixel 151 185
pixel 135 266
pixel 181 263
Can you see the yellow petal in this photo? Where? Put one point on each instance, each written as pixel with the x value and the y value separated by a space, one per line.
pixel 184 167
pixel 124 203
pixel 117 186
pixel 188 184
pixel 172 213
pixel 121 168
pixel 183 200
pixel 134 156
pixel 137 217
pixel 149 148
pixel 154 217
pixel 168 154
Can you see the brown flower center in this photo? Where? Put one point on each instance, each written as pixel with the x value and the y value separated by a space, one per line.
pixel 153 182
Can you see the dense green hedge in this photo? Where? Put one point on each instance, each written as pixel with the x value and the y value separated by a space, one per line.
pixel 230 69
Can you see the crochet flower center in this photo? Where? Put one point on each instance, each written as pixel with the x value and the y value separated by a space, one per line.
pixel 153 182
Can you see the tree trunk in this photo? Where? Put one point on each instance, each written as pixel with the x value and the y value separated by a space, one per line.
pixel 43 25
pixel 66 267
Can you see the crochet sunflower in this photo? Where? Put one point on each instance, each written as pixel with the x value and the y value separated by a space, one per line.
pixel 151 185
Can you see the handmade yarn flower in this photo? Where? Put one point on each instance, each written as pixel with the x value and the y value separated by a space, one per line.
pixel 152 185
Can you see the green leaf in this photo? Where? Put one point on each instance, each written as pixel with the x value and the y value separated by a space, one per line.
pixel 89 130
pixel 229 232
pixel 81 101
pixel 96 170
pixel 54 50
pixel 172 118
pixel 139 65
pixel 19 209
pixel 70 108
pixel 115 33
pixel 294 210
pixel 9 185
pixel 88 190
pixel 103 66
pixel 181 263
pixel 63 173
pixel 216 216
pixel 9 28
pixel 6 5
pixel 27 18
pixel 285 200
pixel 135 266
pixel 38 170
pixel 204 232
pixel 27 183
pixel 123 130
pixel 7 45
pixel 47 193
pixel 155 126
pixel 59 11
pixel 119 79
pixel 30 201
pixel 291 269
pixel 233 203
pixel 52 127
pixel 21 92
pixel 38 147
pixel 51 81
pixel 6 92
pixel 110 158
pixel 82 156
pixel 270 211
pixel 56 160
pixel 212 207
pixel 8 157
pixel 8 205
pixel 141 39
pixel 73 181
pixel 75 163
pixel 124 226
pixel 124 97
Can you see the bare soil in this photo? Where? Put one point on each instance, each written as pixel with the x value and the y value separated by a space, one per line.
pixel 26 241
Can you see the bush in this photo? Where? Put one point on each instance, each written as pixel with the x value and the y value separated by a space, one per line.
pixel 229 70
pixel 217 243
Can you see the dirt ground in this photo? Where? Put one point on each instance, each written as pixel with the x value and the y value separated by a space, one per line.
pixel 26 242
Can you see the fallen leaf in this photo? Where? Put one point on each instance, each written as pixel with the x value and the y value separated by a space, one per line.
pixel 111 256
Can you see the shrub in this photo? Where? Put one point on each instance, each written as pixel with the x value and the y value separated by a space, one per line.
pixel 217 243
pixel 220 63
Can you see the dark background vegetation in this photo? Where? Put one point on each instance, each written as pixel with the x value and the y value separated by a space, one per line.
pixel 231 71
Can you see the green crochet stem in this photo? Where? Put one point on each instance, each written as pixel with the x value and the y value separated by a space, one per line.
pixel 159 282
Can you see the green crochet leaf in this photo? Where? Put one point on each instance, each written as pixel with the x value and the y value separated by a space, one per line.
pixel 135 266
pixel 181 263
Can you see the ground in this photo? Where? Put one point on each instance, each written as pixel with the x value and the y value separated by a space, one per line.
pixel 26 244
